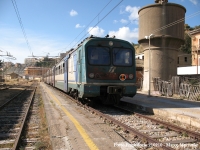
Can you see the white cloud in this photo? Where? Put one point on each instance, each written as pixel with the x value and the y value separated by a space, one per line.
pixel 96 31
pixel 79 26
pixel 73 13
pixel 115 21
pixel 123 21
pixel 122 9
pixel 194 2
pixel 133 13
pixel 121 12
pixel 125 33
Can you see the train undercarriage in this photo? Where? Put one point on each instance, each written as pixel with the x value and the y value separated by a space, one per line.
pixel 109 95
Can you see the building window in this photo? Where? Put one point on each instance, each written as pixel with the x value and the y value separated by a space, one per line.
pixel 142 57
pixel 199 62
pixel 199 43
pixel 185 59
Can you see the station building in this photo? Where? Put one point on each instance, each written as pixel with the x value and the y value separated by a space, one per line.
pixel 34 72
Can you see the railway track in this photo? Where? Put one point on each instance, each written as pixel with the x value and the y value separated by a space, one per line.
pixel 165 133
pixel 13 115
pixel 142 131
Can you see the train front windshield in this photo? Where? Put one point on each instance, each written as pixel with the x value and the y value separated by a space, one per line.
pixel 102 56
pixel 122 57
pixel 99 55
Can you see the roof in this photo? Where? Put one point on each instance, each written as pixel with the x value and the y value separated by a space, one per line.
pixel 11 73
pixel 196 31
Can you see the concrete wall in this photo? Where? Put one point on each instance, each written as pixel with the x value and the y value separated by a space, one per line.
pixel 192 70
pixel 184 60
pixel 166 42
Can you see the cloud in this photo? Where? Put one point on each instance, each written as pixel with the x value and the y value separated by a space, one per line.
pixel 79 26
pixel 194 2
pixel 123 21
pixel 73 13
pixel 133 13
pixel 115 21
pixel 96 31
pixel 122 9
pixel 125 33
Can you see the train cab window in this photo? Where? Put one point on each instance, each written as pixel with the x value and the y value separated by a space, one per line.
pixel 98 55
pixel 122 57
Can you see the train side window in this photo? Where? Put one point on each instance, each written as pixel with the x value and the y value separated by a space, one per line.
pixel 75 62
pixel 72 65
pixel 79 58
pixel 63 67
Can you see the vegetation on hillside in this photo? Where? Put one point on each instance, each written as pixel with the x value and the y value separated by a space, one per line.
pixel 138 48
pixel 187 47
pixel 47 62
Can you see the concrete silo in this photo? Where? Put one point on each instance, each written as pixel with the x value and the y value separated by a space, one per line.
pixel 166 22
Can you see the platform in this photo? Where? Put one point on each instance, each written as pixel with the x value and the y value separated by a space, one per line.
pixel 184 111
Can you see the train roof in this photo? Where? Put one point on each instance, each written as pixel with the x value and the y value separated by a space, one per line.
pixel 85 41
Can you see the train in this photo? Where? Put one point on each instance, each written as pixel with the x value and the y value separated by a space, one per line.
pixel 100 68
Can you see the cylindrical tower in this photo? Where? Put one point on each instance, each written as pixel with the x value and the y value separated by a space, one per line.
pixel 162 24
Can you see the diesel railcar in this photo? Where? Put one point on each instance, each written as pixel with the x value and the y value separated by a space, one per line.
pixel 99 68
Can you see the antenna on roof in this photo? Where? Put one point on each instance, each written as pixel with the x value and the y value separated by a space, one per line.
pixel 107 36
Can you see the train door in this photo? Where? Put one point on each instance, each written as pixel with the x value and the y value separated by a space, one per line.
pixel 79 67
pixel 66 74
pixel 53 73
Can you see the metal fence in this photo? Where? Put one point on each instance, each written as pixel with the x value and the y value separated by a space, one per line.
pixel 185 87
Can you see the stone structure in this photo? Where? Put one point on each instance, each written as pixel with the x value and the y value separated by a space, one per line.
pixel 160 19
pixel 35 71
pixel 184 59
pixel 161 1
pixel 11 76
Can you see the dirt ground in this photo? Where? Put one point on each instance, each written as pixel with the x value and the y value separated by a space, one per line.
pixel 64 132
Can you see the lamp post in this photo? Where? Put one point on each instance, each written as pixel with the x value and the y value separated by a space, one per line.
pixel 149 37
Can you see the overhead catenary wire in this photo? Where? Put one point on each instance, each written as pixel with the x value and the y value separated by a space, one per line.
pixel 21 24
pixel 176 22
pixel 99 21
pixel 90 22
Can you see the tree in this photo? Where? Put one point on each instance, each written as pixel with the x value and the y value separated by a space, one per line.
pixel 187 45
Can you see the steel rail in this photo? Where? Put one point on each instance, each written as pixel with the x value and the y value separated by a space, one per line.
pixel 172 127
pixel 16 144
pixel 166 124
pixel 150 140
pixel 4 104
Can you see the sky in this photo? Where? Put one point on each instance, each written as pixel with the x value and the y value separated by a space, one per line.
pixel 51 27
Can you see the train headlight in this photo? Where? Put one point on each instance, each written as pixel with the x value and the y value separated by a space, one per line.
pixel 91 75
pixel 122 77
pixel 130 76
pixel 111 43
